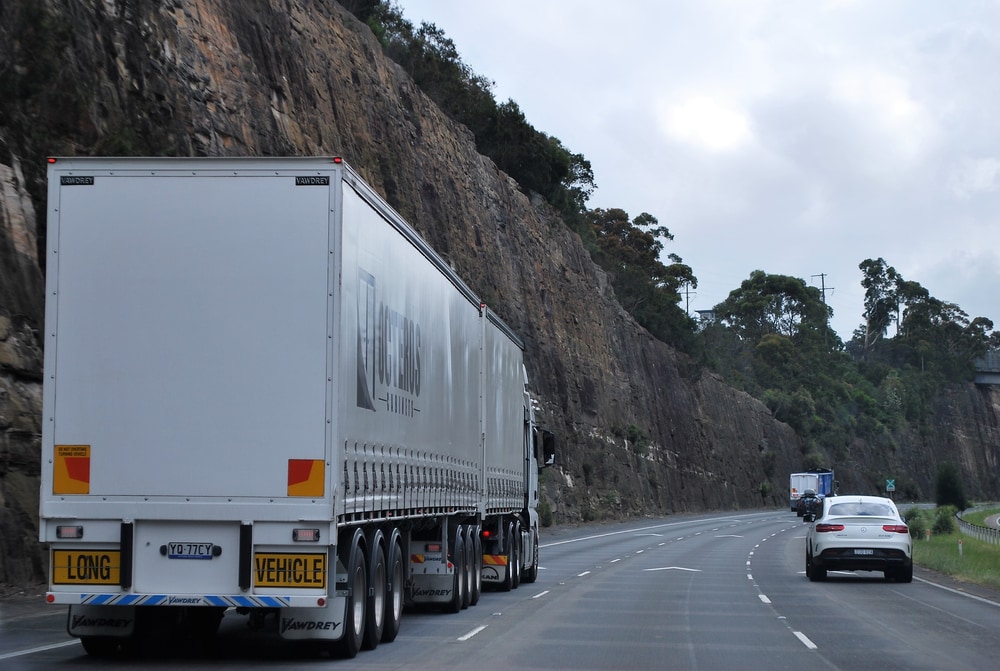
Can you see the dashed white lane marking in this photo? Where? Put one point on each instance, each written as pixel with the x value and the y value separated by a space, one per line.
pixel 805 640
pixel 30 651
pixel 472 633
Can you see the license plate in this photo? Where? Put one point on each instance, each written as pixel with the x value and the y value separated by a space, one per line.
pixel 864 552
pixel 280 569
pixel 184 550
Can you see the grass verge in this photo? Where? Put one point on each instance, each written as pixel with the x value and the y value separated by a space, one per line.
pixel 972 560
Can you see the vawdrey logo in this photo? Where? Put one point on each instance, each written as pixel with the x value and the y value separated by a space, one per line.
pixel 292 624
pixel 388 354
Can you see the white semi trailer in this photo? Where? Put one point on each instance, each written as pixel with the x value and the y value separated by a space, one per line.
pixel 265 392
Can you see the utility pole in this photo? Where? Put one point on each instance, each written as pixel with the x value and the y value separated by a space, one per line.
pixel 687 298
pixel 822 295
pixel 822 284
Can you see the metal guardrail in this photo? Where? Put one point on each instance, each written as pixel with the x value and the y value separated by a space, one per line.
pixel 985 534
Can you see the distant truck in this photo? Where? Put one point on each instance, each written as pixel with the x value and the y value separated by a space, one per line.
pixel 819 480
pixel 265 392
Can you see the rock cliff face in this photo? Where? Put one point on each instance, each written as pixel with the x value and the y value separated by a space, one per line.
pixel 641 430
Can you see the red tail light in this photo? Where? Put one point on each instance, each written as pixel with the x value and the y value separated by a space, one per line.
pixel 896 528
pixel 820 528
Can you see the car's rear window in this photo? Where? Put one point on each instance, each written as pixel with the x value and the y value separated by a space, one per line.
pixel 861 508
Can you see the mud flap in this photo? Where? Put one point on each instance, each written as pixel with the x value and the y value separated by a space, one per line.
pixel 103 621
pixel 326 624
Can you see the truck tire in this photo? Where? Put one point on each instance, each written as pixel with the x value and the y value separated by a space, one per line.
pixel 507 584
pixel 395 595
pixel 459 580
pixel 518 547
pixel 376 606
pixel 469 565
pixel 476 567
pixel 357 600
pixel 101 647
pixel 531 575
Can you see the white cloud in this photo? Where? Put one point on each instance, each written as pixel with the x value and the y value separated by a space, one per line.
pixel 901 130
pixel 705 122
pixel 970 177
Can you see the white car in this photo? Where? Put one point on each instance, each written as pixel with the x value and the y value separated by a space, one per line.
pixel 859 533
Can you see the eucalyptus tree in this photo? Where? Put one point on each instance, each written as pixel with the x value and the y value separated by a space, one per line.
pixel 767 304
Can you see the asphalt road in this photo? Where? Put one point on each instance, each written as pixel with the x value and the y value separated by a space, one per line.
pixel 688 592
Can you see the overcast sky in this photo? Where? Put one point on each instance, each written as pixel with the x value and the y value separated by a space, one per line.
pixel 797 137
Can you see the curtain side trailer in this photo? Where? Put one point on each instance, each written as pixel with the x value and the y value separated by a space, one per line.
pixel 265 392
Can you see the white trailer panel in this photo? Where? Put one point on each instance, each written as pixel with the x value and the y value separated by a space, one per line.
pixel 187 336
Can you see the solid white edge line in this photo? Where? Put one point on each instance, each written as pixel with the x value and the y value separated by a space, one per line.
pixel 805 640
pixel 31 651
pixel 947 589
pixel 472 633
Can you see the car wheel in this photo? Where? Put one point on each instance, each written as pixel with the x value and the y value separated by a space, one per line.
pixel 815 573
pixel 904 573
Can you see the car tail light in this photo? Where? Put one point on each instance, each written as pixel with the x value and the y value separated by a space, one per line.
pixel 896 528
pixel 820 528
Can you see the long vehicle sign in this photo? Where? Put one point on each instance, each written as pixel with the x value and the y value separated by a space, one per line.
pixel 86 567
pixel 281 569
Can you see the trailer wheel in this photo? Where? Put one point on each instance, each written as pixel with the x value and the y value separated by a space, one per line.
pixel 470 578
pixel 476 566
pixel 459 582
pixel 376 596
pixel 394 591
pixel 354 613
pixel 516 565
pixel 531 575
pixel 510 555
pixel 102 647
